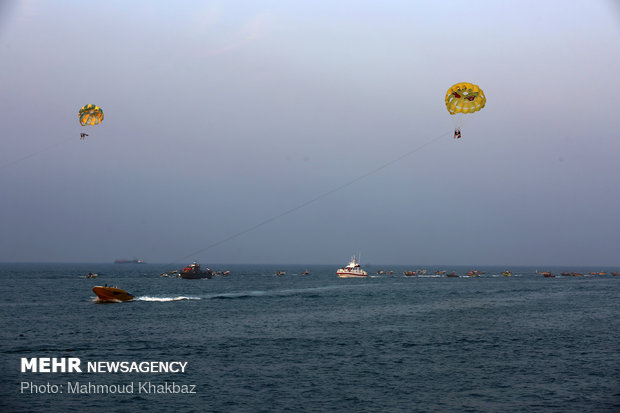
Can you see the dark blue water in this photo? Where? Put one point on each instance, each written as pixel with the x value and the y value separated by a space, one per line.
pixel 255 342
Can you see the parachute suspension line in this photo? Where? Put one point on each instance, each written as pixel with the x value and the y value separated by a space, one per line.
pixel 47 148
pixel 315 199
pixel 463 99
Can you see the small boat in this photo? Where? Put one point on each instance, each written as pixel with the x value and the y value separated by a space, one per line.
pixel 452 274
pixel 410 273
pixel 389 272
pixel 576 274
pixel 566 274
pixel 547 274
pixel 306 272
pixel 112 294
pixel 507 273
pixel 194 272
pixel 91 275
pixel 615 273
pixel 438 272
pixel 421 272
pixel 280 273
pixel 352 270
pixel 473 273
pixel 379 272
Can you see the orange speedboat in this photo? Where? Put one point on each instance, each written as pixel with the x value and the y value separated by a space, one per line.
pixel 112 294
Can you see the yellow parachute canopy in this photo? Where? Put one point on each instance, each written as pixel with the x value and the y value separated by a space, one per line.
pixel 465 98
pixel 90 115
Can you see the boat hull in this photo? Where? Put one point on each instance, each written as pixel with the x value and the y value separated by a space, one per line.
pixel 112 294
pixel 350 275
pixel 195 275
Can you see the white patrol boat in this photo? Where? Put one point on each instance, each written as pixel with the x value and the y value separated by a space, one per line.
pixel 352 270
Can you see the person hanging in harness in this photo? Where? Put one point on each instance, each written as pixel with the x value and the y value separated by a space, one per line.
pixel 83 135
pixel 457 133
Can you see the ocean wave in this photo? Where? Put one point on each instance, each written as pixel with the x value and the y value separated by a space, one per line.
pixel 239 295
pixel 309 292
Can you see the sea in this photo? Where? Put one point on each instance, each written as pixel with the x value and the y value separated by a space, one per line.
pixel 256 342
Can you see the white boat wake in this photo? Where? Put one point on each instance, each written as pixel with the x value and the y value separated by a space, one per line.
pixel 165 299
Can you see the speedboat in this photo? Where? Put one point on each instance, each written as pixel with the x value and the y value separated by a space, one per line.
pixel 112 293
pixel 91 275
pixel 507 273
pixel 410 273
pixel 352 270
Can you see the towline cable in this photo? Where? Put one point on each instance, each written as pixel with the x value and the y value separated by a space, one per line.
pixel 312 200
pixel 35 153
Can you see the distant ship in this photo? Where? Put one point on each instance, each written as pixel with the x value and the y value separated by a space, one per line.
pixel 194 272
pixel 352 270
pixel 133 261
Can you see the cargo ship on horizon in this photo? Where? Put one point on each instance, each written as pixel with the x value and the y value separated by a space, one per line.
pixel 132 261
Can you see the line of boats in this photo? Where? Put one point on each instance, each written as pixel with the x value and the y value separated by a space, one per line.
pixel 549 274
pixel 352 270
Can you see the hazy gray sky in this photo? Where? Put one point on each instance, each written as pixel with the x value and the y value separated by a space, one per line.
pixel 220 115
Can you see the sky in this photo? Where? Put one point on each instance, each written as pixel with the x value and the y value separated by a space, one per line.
pixel 303 132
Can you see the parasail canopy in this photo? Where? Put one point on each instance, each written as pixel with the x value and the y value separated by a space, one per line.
pixel 90 115
pixel 464 98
